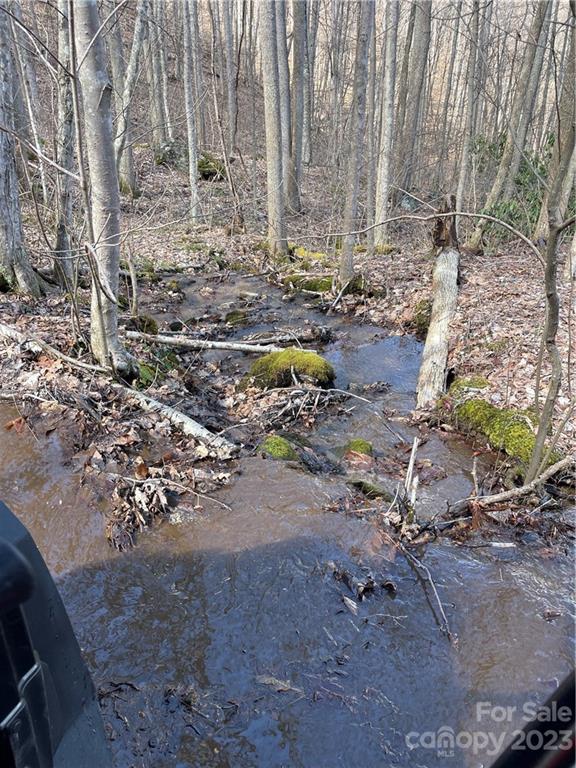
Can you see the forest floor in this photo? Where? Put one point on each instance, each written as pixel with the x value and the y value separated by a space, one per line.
pixel 184 273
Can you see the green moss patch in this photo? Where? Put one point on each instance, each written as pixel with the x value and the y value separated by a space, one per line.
pixel 371 490
pixel 142 323
pixel 237 317
pixel 359 445
pixel 322 284
pixel 465 385
pixel 421 318
pixel 275 369
pixel 505 429
pixel 277 447
pixel 211 168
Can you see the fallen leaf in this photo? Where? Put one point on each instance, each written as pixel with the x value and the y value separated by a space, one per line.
pixel 16 424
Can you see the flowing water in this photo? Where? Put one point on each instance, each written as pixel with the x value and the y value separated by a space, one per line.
pixel 224 641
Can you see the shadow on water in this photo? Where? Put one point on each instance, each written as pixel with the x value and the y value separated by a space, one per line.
pixel 206 638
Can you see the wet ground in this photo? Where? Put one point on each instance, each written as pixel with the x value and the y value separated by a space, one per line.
pixel 225 641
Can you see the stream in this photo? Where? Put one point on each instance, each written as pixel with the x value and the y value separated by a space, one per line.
pixel 224 641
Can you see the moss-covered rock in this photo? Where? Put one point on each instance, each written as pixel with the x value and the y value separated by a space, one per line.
pixel 319 284
pixel 371 490
pixel 505 429
pixel 211 168
pixel 236 317
pixel 143 323
pixel 174 286
pixel 146 376
pixel 171 154
pixel 421 318
pixel 275 369
pixel 359 445
pixel 277 447
pixel 466 384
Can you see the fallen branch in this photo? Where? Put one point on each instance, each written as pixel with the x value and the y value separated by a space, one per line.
pixel 188 426
pixel 37 345
pixel 185 343
pixel 515 493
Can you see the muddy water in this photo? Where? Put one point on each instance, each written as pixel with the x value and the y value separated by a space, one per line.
pixel 224 641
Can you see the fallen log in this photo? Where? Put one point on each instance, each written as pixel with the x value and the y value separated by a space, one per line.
pixel 432 376
pixel 199 344
pixel 221 447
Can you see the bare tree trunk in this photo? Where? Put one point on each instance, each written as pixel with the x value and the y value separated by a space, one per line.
pixel 552 311
pixel 15 268
pixel 313 17
pixel 299 56
pixel 463 178
pixel 157 117
pixel 274 182
pixel 160 61
pixel 103 216
pixel 564 130
pixel 195 210
pixel 231 100
pixel 519 104
pixel 198 75
pixel 416 77
pixel 432 376
pixel 364 33
pixel 63 262
pixel 284 81
pixel 529 102
pixel 446 99
pixel 124 87
pixel 387 134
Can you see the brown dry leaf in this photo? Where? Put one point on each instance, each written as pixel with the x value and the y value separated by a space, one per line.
pixel 16 424
pixel 141 470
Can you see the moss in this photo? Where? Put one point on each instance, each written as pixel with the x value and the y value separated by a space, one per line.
pixel 278 448
pixel 463 385
pixel 384 249
pixel 261 245
pixel 275 369
pixel 310 256
pixel 211 168
pixel 148 272
pixel 123 301
pixel 360 248
pixel 146 376
pixel 143 323
pixel 174 286
pixel 356 286
pixel 359 445
pixel 421 318
pixel 321 284
pixel 505 429
pixel 237 317
pixel 370 490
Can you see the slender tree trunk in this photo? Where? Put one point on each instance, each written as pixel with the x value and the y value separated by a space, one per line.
pixel 313 17
pixel 274 182
pixel 104 212
pixel 552 310
pixel 387 134
pixel 195 211
pixel 64 263
pixel 15 268
pixel 447 96
pixel 463 179
pixel 124 81
pixel 298 76
pixel 160 61
pixel 157 117
pixel 364 33
pixel 198 75
pixel 529 102
pixel 231 96
pixel 566 109
pixel 416 78
pixel 284 80
pixel 519 104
